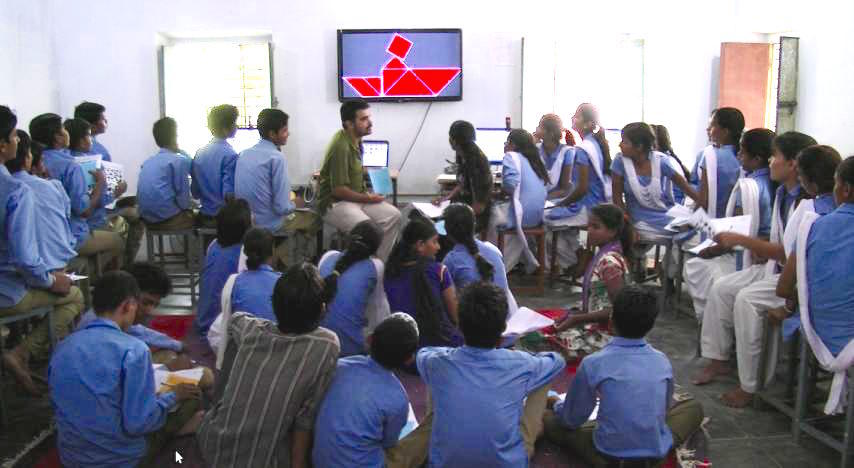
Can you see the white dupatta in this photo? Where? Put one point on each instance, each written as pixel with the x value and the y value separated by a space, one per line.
pixel 556 168
pixel 710 156
pixel 596 160
pixel 649 196
pixel 837 398
pixel 516 158
pixel 749 191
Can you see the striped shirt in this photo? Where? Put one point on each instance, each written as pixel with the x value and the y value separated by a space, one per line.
pixel 271 383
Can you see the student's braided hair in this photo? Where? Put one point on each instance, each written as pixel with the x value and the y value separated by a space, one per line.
pixel 613 217
pixel 459 223
pixel 730 118
pixel 428 307
pixel 471 162
pixel 365 239
pixel 524 143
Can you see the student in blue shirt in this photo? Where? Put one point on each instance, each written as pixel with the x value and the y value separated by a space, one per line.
pixel 102 387
pixel 94 113
pixel 221 261
pixel 52 209
pixel 365 408
pixel 637 423
pixel 47 129
pixel 163 189
pixel 213 166
pixel 26 282
pixel 524 179
pixel 352 278
pixel 725 128
pixel 261 178
pixel 470 259
pixel 662 144
pixel 559 160
pixel 501 392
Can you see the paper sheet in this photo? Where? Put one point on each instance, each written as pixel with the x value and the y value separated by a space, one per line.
pixel 75 277
pixel 164 379
pixel 702 245
pixel 411 423
pixel 89 163
pixel 430 210
pixel 562 397
pixel 381 181
pixel 526 320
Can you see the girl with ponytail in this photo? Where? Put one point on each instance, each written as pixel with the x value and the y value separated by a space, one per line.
pixel 471 260
pixel 606 272
pixel 717 180
pixel 421 287
pixel 250 291
pixel 354 288
pixel 474 178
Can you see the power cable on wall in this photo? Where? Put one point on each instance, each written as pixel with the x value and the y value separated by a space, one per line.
pixel 415 139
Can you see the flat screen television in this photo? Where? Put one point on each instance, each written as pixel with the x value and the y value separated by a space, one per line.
pixel 400 65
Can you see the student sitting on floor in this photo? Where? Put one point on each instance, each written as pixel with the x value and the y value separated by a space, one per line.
pixel 355 282
pixel 637 424
pixel 163 189
pixel 102 387
pixel 360 420
pixel 213 166
pixel 471 259
pixel 418 285
pixel 273 379
pixel 487 403
pixel 26 282
pixel 250 291
pixel 154 285
pixel 52 209
pixel 61 165
pixel 223 256
pixel 605 272
pixel 524 178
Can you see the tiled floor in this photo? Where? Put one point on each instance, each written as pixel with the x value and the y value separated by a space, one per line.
pixel 736 438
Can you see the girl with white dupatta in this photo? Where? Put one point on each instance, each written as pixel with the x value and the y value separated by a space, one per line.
pixel 524 179
pixel 823 269
pixel 590 181
pixel 752 195
pixel 717 167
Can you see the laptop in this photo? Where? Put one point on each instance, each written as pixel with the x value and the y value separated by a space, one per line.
pixel 491 142
pixel 374 153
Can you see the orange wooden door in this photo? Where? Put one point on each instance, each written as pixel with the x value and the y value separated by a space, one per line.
pixel 745 81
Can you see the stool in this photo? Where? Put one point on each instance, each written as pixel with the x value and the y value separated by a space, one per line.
pixel 554 269
pixel 539 234
pixel 641 276
pixel 807 373
pixel 206 236
pixel 39 312
pixel 187 267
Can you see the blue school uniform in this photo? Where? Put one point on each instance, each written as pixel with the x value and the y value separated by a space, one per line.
pixel 261 178
pixel 220 263
pixel 729 169
pixel 61 165
pixel 488 386
pixel 532 191
pixel 596 189
pixel 213 175
pixel 21 266
pixel 163 189
pixel 766 199
pixel 253 292
pixel 103 396
pixel 402 297
pixel 463 267
pixel 634 383
pixel 830 277
pixel 361 415
pixel 655 218
pixel 98 218
pixel 152 338
pixel 98 148
pixel 549 160
pixel 52 212
pixel 345 315
pixel 789 198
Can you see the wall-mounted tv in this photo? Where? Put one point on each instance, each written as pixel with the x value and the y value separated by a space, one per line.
pixel 400 64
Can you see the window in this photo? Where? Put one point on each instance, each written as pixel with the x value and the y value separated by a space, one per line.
pixel 197 75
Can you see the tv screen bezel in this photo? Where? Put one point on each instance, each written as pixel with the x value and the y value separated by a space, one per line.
pixel 341 97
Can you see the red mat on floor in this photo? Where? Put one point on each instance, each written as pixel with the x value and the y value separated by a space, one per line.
pixel 175 326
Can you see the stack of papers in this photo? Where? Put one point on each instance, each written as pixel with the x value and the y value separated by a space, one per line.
pixel 164 379
pixel 713 227
pixel 525 320
pixel 430 210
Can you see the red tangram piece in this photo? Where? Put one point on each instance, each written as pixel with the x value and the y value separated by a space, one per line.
pixel 399 46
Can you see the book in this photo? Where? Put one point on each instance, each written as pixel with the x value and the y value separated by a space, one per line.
pixel 89 163
pixel 381 181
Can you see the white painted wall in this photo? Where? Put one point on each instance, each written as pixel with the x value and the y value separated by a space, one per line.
pixel 105 51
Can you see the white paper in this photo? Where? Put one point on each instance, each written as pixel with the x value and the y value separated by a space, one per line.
pixel 736 224
pixel 161 373
pixel 593 415
pixel 75 277
pixel 525 320
pixel 702 245
pixel 430 210
pixel 113 173
pixel 411 423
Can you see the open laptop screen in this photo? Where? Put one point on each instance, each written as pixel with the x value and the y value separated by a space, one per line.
pixel 374 153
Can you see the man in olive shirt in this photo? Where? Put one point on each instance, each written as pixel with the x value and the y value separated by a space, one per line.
pixel 342 199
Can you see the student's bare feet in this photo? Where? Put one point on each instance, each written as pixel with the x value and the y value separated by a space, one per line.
pixel 737 398
pixel 712 370
pixel 15 361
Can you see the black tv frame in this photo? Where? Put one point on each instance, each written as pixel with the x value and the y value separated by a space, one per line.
pixel 341 97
